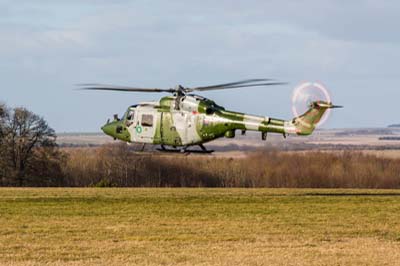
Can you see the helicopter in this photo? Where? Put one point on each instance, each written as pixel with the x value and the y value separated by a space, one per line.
pixel 185 119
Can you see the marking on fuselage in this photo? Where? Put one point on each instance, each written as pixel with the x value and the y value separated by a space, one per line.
pixel 253 122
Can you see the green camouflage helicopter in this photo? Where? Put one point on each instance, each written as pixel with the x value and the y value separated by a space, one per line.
pixel 185 119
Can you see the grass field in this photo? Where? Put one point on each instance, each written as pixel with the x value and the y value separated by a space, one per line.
pixel 199 227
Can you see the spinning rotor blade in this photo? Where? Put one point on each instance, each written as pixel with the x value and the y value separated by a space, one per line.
pixel 100 87
pixel 246 81
pixel 239 84
pixel 244 86
pixel 309 93
pixel 182 90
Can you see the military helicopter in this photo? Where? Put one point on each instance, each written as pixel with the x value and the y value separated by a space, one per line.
pixel 185 119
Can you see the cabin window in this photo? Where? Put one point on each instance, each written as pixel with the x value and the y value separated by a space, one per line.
pixel 147 120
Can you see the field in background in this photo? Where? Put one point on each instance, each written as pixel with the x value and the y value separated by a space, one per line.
pixel 199 227
pixel 332 139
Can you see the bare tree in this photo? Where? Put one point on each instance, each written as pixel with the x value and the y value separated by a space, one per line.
pixel 3 165
pixel 23 131
pixel 3 115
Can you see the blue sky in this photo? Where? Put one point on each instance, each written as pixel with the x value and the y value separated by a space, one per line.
pixel 47 46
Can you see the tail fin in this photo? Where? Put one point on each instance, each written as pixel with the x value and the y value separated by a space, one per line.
pixel 306 123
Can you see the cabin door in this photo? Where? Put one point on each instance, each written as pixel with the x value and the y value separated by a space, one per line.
pixel 145 127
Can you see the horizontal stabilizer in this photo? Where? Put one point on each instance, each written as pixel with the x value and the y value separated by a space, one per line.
pixel 324 105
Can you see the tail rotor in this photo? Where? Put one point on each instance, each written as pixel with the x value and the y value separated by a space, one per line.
pixel 311 95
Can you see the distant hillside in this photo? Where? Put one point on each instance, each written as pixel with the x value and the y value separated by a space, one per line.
pixel 394 125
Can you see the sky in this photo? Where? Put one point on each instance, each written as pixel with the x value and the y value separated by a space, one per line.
pixel 49 46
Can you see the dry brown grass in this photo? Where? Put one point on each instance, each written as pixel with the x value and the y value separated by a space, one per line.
pixel 118 166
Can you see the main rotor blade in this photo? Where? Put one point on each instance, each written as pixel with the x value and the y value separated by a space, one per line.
pixel 240 86
pixel 179 89
pixel 99 87
pixel 246 81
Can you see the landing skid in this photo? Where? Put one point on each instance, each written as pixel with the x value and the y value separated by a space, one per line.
pixel 185 150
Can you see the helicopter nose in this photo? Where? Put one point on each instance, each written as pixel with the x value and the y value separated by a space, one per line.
pixel 107 129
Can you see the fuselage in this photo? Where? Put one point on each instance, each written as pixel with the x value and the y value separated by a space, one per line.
pixel 191 120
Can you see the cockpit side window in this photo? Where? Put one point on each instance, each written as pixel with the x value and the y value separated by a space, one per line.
pixel 131 115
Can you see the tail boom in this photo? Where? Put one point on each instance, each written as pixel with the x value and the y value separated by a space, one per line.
pixel 303 125
pixel 226 122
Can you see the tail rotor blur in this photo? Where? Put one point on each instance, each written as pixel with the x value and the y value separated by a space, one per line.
pixel 308 95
